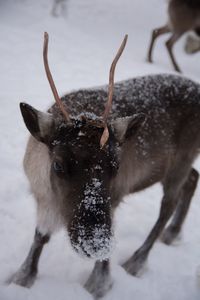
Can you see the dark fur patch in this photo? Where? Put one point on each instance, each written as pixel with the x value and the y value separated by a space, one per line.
pixel 30 118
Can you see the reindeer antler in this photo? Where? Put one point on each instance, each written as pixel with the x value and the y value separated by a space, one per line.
pixel 50 78
pixel 108 105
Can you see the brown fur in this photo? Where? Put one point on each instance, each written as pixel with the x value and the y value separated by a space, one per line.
pixel 154 136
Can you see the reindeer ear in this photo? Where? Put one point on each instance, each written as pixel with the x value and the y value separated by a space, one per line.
pixel 127 127
pixel 38 123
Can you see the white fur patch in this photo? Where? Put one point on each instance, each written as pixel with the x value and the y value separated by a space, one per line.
pixel 44 121
pixel 37 168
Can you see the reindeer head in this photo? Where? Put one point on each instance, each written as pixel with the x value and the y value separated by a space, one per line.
pixel 84 159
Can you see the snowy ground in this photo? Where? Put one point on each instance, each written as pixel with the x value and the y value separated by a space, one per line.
pixel 82 45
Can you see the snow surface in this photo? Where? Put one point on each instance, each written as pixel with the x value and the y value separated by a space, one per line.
pixel 82 45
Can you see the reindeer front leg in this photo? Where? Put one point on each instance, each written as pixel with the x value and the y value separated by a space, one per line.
pixel 27 273
pixel 99 282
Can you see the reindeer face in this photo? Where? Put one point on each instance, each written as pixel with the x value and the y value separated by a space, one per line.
pixel 81 173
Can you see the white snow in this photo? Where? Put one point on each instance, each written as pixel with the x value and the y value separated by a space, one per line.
pixel 81 47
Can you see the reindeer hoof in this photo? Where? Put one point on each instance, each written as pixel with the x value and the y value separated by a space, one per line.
pixel 177 69
pixel 149 60
pixel 169 235
pixel 98 287
pixel 135 266
pixel 22 278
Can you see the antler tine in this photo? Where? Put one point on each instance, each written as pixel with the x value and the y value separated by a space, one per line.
pixel 108 106
pixel 50 78
pixel 111 79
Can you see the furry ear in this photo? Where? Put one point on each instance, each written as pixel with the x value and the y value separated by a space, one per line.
pixel 38 123
pixel 127 127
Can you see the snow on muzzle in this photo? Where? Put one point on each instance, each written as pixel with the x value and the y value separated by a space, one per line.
pixel 90 229
pixel 96 242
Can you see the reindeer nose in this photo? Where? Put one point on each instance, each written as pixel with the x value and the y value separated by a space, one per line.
pixel 95 242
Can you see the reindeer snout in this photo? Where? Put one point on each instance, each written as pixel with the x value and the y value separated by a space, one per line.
pixel 93 242
pixel 90 227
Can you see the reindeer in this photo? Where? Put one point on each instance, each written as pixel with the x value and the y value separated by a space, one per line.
pixel 183 16
pixel 81 164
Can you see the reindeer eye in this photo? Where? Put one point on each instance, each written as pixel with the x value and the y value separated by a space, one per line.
pixel 58 167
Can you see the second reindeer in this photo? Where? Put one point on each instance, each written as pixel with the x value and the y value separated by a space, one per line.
pixel 183 16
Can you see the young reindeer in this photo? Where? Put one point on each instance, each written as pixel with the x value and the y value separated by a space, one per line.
pixel 183 16
pixel 80 164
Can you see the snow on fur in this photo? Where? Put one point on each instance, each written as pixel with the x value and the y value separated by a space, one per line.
pixel 95 242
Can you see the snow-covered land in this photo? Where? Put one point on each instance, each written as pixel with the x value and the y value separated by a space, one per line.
pixel 82 44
